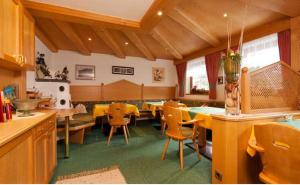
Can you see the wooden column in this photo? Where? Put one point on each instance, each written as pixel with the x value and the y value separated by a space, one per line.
pixel 295 43
pixel 245 91
pixel 142 91
pixel 102 91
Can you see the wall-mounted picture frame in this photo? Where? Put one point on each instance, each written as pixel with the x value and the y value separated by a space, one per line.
pixel 85 72
pixel 121 70
pixel 158 74
pixel 220 80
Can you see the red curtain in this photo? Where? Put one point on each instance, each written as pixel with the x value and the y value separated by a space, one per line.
pixel 284 43
pixel 212 68
pixel 181 71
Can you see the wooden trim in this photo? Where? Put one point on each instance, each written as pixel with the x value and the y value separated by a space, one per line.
pixel 109 40
pixel 278 6
pixel 140 45
pixel 193 26
pixel 86 93
pixel 253 34
pixel 77 16
pixel 45 39
pixel 151 19
pixel 67 29
pixel 159 37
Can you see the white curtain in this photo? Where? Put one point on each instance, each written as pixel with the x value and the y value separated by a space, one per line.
pixel 196 68
pixel 260 52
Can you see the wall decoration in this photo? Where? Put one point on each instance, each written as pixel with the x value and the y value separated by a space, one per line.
pixel 220 80
pixel 122 70
pixel 85 72
pixel 62 75
pixel 158 74
pixel 42 70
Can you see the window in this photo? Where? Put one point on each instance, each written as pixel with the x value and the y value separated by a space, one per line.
pixel 196 77
pixel 260 52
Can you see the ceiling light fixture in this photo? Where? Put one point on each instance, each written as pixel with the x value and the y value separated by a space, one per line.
pixel 159 13
pixel 126 43
pixel 90 39
pixel 225 15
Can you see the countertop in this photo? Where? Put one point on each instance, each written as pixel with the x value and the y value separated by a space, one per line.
pixel 12 129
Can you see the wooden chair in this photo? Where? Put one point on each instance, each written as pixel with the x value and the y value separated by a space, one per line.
pixel 279 149
pixel 162 115
pixel 116 118
pixel 178 133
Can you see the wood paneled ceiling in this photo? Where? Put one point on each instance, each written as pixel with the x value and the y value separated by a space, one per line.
pixel 185 28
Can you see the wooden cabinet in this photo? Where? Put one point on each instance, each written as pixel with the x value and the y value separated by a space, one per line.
pixel 28 40
pixel 16 161
pixel 31 157
pixel 16 36
pixel 45 151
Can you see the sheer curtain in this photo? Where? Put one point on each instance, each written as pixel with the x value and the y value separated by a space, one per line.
pixel 196 68
pixel 260 52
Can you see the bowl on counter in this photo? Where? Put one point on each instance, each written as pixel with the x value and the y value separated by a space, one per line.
pixel 26 106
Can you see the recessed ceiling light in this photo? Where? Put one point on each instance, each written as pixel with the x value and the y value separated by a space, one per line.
pixel 159 13
pixel 90 39
pixel 126 43
pixel 225 15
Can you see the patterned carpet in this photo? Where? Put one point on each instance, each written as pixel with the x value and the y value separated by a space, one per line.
pixel 139 161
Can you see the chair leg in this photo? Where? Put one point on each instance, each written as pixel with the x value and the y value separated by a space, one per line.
pixel 101 124
pixel 163 155
pixel 181 154
pixel 196 146
pixel 127 130
pixel 110 134
pixel 125 134
pixel 163 127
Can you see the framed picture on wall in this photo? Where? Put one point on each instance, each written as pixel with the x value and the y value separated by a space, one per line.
pixel 158 74
pixel 120 70
pixel 85 72
pixel 220 80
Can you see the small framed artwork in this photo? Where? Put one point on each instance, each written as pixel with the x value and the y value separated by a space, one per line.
pixel 220 80
pixel 122 70
pixel 158 74
pixel 85 72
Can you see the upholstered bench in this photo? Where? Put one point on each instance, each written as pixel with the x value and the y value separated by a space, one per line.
pixel 78 125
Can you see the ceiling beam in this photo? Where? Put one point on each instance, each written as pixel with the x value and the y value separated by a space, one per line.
pixel 151 19
pixel 290 8
pixel 249 35
pixel 192 25
pixel 140 45
pixel 69 32
pixel 159 37
pixel 109 40
pixel 77 16
pixel 41 35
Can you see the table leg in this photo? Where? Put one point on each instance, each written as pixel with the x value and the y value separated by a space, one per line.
pixel 201 137
pixel 67 124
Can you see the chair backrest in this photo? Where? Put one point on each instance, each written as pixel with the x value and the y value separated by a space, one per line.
pixel 173 116
pixel 117 111
pixel 281 156
pixel 171 103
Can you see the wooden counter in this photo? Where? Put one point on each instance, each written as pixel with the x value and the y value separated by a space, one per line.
pixel 230 135
pixel 28 149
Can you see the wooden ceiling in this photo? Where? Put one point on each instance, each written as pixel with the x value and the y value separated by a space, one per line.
pixel 185 28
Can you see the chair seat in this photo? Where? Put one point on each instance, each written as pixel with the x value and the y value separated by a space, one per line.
pixel 187 133
pixel 126 121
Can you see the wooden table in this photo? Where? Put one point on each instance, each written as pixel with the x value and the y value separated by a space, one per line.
pixel 66 114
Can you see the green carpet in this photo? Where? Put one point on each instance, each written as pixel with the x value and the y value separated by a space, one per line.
pixel 139 161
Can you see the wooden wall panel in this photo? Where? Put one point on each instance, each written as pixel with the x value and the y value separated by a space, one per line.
pixel 122 90
pixel 295 43
pixel 119 91
pixel 85 93
pixel 159 93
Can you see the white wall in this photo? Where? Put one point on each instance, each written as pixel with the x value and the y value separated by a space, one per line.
pixel 103 64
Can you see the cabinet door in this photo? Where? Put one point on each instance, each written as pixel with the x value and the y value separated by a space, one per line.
pixel 28 40
pixel 51 147
pixel 16 161
pixel 40 159
pixel 10 21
